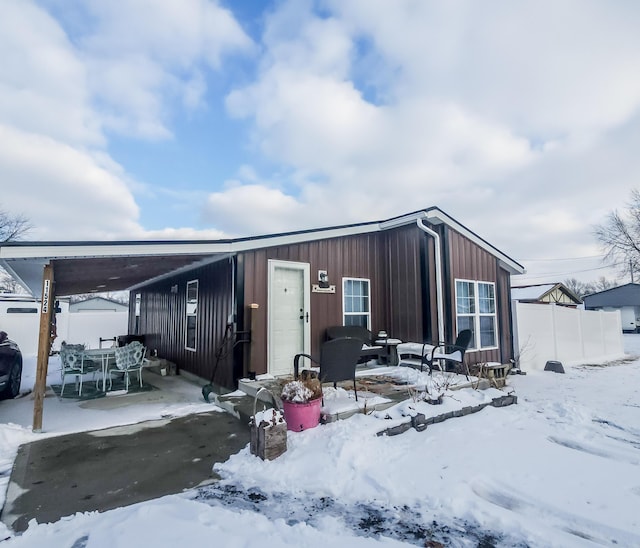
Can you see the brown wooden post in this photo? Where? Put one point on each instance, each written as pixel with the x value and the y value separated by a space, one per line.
pixel 47 309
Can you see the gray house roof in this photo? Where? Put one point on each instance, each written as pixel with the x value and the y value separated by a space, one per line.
pixel 625 295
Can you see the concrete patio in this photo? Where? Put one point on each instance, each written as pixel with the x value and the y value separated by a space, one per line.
pixel 379 388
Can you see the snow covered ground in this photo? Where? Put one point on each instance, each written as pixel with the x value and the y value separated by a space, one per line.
pixel 561 468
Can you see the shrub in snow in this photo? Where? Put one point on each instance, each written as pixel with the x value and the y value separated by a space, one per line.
pixel 302 391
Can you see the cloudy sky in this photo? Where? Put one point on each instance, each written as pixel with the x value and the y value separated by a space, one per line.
pixel 194 118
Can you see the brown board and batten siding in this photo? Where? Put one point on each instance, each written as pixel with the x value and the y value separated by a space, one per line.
pixel 394 261
pixel 162 319
pixel 360 256
pixel 410 253
pixel 468 261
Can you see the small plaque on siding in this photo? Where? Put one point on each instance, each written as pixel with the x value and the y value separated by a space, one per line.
pixel 315 288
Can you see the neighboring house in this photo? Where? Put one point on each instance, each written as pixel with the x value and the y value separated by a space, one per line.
pixel 98 304
pixel 625 298
pixel 421 276
pixel 555 293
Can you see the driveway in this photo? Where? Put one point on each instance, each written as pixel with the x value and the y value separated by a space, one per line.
pixel 105 469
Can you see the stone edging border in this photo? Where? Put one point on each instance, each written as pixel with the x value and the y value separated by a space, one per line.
pixel 420 422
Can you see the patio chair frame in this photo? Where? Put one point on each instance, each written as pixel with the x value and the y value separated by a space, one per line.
pixel 338 361
pixel 447 352
pixel 129 358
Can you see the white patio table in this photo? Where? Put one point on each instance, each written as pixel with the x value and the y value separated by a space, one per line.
pixel 106 356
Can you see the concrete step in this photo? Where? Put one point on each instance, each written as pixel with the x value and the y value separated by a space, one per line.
pixel 242 405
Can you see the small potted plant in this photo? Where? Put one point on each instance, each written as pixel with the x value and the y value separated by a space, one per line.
pixel 301 403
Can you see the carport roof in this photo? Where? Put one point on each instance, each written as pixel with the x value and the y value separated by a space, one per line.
pixel 98 267
pixel 87 267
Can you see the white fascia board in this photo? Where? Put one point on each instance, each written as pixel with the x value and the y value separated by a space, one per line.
pixel 73 251
pixel 404 220
pixel 61 251
pixel 436 216
pixel 289 239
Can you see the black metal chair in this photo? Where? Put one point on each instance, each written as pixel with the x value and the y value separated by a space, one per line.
pixel 338 360
pixel 369 350
pixel 447 352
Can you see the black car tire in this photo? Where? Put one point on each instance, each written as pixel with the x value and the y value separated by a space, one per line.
pixel 13 386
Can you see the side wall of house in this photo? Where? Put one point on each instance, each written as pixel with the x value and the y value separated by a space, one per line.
pixel 468 261
pixel 412 308
pixel 163 320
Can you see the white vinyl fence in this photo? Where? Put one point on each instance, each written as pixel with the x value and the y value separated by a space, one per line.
pixel 73 327
pixel 568 335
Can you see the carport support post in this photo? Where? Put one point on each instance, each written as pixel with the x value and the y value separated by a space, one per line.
pixel 47 308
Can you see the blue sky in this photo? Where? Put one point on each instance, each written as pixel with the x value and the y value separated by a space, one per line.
pixel 144 119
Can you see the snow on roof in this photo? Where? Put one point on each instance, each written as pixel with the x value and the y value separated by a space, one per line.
pixel 530 292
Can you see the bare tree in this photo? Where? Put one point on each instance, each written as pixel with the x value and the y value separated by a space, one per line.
pixel 12 227
pixel 587 288
pixel 619 236
pixel 578 287
pixel 602 284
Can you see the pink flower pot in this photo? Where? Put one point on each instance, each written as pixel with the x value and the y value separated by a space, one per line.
pixel 302 416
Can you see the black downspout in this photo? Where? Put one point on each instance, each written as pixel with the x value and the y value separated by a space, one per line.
pixel 427 328
pixel 510 316
pixel 449 327
pixel 238 350
pixel 500 302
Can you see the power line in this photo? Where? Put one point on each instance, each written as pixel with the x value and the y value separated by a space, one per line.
pixel 566 258
pixel 556 274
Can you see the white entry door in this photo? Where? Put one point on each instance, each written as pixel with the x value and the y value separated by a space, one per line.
pixel 289 323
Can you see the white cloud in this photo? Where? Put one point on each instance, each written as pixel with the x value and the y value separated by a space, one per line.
pixel 72 73
pixel 43 83
pixel 57 185
pixel 515 118
pixel 139 62
pixel 247 209
pixel 543 67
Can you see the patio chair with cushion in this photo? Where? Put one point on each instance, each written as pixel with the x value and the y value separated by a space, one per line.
pixel 73 362
pixel 129 359
pixel 451 354
pixel 338 360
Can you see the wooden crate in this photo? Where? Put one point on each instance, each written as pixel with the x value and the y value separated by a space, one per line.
pixel 497 374
pixel 268 441
pixel 268 431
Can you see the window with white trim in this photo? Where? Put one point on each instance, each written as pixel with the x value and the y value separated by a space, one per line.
pixel 356 301
pixel 191 315
pixel 476 310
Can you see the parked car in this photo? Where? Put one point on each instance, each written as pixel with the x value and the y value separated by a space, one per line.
pixel 10 367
